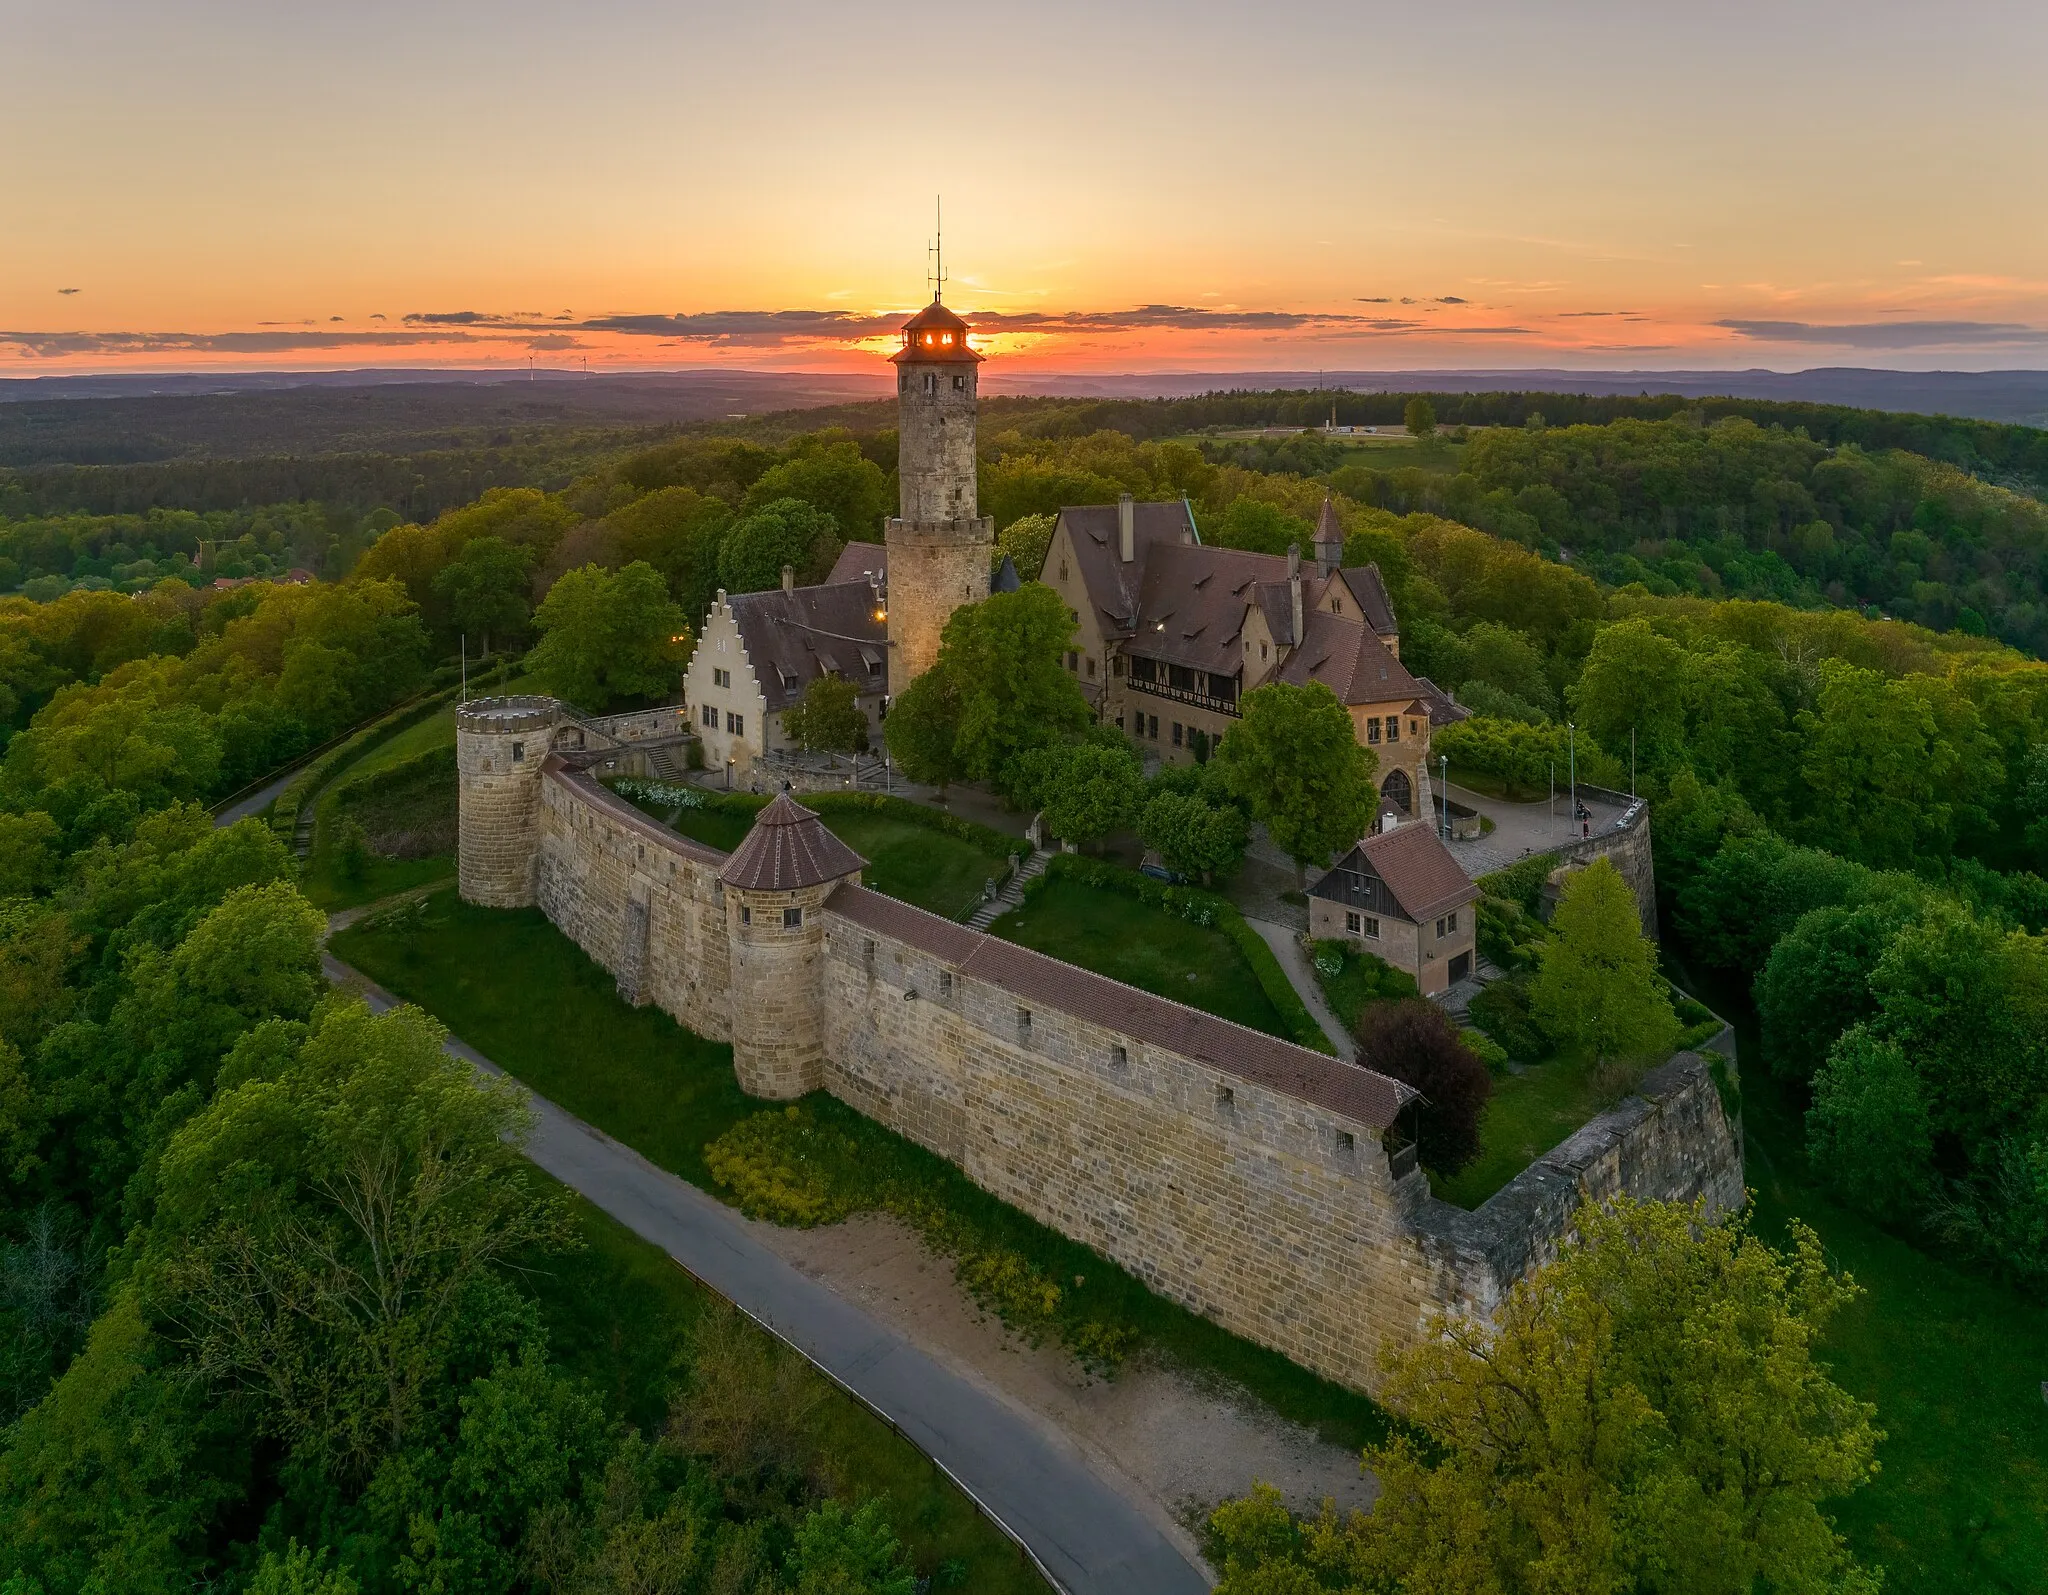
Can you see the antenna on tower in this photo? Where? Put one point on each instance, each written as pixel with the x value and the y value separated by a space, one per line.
pixel 935 275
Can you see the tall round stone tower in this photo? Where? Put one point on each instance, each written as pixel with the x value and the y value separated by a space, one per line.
pixel 775 882
pixel 500 746
pixel 940 546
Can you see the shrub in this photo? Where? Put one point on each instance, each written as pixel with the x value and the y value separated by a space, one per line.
pixel 1486 1050
pixel 1415 1042
pixel 1501 1009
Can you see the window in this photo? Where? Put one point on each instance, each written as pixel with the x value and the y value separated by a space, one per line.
pixel 931 383
pixel 1372 729
pixel 1024 1025
pixel 736 723
pixel 792 918
pixel 1353 923
pixel 1451 919
pixel 1119 722
pixel 1262 650
pixel 1118 1058
pixel 1336 606
pixel 1370 930
pixel 708 715
pixel 1153 732
pixel 1439 928
pixel 1176 733
pixel 746 915
pixel 1072 660
pixel 518 752
pixel 959 384
pixel 1063 570
pixel 721 678
pixel 1226 1099
pixel 1414 728
pixel 1091 668
pixel 1393 728
pixel 945 982
pixel 1116 666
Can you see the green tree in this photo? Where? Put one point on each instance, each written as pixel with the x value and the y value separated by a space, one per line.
pixel 1595 984
pixel 1024 541
pixel 828 718
pixel 28 852
pixel 1868 1132
pixel 1097 789
pixel 923 729
pixel 1296 765
pixel 1002 658
pixel 485 588
pixel 608 635
pixel 1263 528
pixel 784 531
pixel 679 532
pixel 1194 837
pixel 839 1552
pixel 1817 982
pixel 834 478
pixel 1419 415
pixel 1634 680
pixel 1644 1413
pixel 323 1226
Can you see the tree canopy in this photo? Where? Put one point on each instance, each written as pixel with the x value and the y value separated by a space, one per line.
pixel 1295 763
pixel 608 636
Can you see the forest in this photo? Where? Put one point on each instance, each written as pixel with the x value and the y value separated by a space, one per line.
pixel 1815 649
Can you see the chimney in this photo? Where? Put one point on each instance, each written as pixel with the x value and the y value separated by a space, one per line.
pixel 1294 589
pixel 789 578
pixel 1126 528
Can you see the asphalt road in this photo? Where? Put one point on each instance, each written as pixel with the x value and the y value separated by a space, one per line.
pixel 1087 1536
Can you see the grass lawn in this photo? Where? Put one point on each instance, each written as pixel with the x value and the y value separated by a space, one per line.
pixel 1146 947
pixel 514 987
pixel 1529 1114
pixel 436 731
pixel 939 873
pixel 1953 1362
pixel 524 995
pixel 621 1315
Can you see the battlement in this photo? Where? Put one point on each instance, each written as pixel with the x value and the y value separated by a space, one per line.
pixel 508 716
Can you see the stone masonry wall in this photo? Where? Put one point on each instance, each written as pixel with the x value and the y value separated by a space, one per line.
pixel 1628 846
pixel 1275 1217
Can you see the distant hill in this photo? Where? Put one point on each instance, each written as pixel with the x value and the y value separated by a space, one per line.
pixel 141 419
pixel 2014 396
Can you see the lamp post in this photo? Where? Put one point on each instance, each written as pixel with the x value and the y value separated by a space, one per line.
pixel 1444 786
pixel 1631 763
pixel 1572 743
pixel 728 772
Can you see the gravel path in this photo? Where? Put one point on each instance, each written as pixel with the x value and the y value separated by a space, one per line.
pixel 1303 978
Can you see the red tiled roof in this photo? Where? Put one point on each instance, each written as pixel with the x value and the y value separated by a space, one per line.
pixel 787 849
pixel 1419 870
pixel 794 636
pixel 1251 1055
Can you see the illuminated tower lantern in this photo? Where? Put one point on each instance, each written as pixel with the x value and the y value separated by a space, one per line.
pixel 940 546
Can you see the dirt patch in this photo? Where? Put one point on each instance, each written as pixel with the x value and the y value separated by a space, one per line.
pixel 1179 1444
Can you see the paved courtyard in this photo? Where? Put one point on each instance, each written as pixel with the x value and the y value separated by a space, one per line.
pixel 1520 829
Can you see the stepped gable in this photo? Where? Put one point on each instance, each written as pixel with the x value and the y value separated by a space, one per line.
pixel 788 849
pixel 793 635
pixel 1250 1055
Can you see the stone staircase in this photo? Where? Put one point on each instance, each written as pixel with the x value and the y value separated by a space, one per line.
pixel 1012 893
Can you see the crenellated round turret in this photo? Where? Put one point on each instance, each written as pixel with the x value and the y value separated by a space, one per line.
pixel 500 747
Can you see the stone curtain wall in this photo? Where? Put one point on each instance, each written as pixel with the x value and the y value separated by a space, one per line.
pixel 642 901
pixel 1275 1217
pixel 1670 1141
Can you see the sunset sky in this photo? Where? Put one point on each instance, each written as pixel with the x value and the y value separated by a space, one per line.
pixel 1128 187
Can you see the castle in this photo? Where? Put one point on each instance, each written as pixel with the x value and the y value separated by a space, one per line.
pixel 1264 1185
pixel 1256 1182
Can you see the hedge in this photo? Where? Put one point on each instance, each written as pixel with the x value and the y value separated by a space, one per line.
pixel 1201 908
pixel 284 813
pixel 985 837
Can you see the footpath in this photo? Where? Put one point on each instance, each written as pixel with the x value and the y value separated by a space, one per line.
pixel 1085 1537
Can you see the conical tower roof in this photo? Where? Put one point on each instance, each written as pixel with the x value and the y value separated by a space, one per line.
pixel 788 848
pixel 935 334
pixel 1329 529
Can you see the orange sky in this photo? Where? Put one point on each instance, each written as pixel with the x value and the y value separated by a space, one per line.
pixel 1144 187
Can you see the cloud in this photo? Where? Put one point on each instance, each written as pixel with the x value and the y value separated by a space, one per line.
pixel 1887 334
pixel 67 290
pixel 56 345
pixel 1453 299
pixel 554 340
pixel 1381 300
